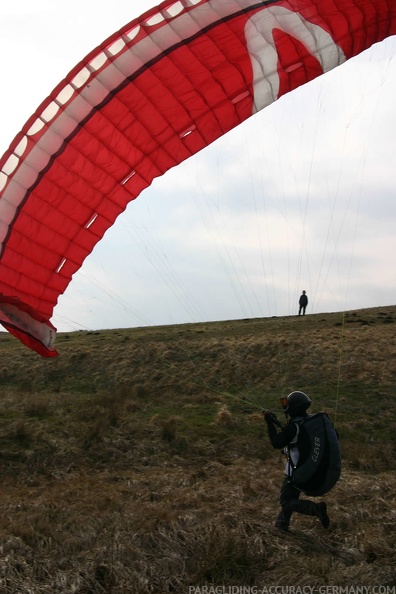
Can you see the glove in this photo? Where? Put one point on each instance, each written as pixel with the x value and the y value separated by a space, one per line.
pixel 269 417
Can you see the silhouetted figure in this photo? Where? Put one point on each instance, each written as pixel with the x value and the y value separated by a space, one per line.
pixel 303 302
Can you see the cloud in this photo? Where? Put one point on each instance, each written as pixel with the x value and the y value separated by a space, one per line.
pixel 300 196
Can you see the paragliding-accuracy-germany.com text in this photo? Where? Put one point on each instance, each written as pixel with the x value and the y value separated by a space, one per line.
pixel 292 590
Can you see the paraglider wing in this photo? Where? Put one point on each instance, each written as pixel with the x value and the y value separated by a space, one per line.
pixel 156 92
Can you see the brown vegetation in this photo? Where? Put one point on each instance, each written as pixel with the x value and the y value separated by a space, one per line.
pixel 138 461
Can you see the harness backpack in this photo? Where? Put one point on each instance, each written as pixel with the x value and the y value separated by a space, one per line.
pixel 319 465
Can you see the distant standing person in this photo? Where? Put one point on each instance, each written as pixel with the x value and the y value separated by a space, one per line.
pixel 303 302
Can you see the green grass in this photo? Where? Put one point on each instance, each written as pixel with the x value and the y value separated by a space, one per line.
pixel 138 460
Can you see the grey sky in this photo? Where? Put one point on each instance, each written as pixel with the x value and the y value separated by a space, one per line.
pixel 302 196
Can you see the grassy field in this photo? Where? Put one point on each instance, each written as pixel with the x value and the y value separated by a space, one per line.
pixel 138 460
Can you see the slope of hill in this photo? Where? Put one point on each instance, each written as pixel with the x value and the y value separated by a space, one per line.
pixel 138 460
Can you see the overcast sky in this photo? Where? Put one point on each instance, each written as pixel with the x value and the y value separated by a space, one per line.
pixel 302 196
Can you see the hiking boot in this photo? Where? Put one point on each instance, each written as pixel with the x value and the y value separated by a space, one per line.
pixel 322 514
pixel 283 520
pixel 282 526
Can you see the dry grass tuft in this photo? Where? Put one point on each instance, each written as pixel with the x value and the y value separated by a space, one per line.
pixel 168 426
pixel 224 417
